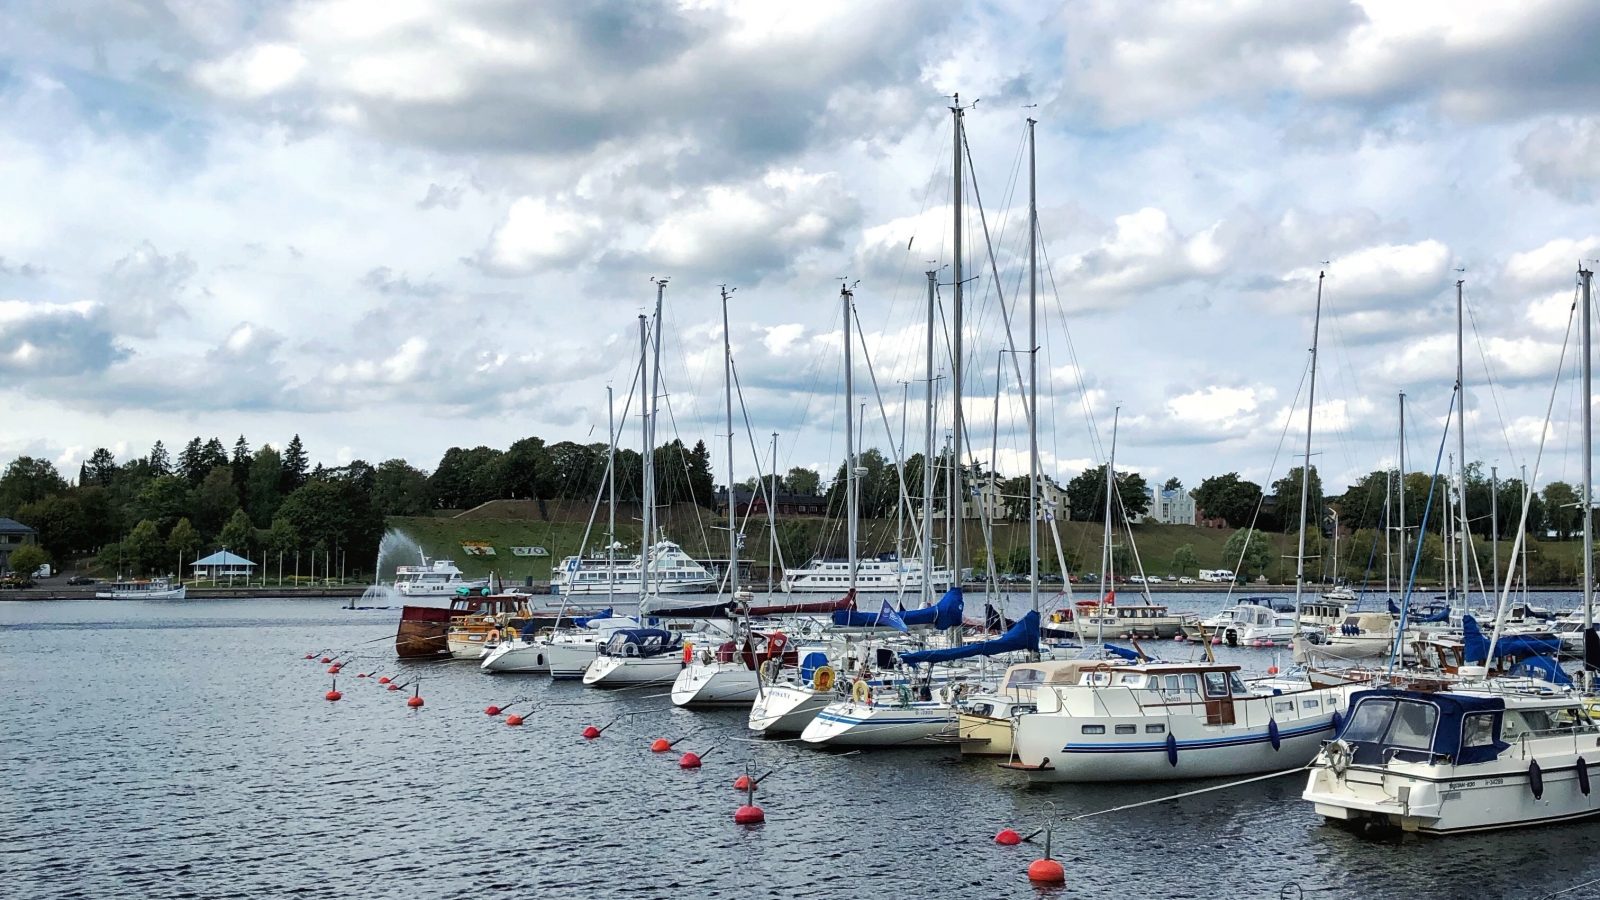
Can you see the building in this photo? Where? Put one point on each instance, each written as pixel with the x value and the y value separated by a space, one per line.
pixel 987 497
pixel 13 534
pixel 754 503
pixel 223 564
pixel 1174 507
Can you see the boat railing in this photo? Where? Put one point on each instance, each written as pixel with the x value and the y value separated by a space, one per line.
pixel 1574 731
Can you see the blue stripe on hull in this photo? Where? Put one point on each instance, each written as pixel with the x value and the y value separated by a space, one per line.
pixel 1208 744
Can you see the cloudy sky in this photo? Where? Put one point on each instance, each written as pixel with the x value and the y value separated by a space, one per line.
pixel 394 226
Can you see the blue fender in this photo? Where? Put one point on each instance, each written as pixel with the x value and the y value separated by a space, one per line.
pixel 1536 780
pixel 1583 776
pixel 1272 733
pixel 1172 749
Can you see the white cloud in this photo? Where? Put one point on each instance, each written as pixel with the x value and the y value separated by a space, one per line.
pixel 253 72
pixel 536 233
pixel 1563 157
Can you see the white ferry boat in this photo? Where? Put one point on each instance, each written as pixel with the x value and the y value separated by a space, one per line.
pixel 888 574
pixel 439 578
pixel 672 571
pixel 152 589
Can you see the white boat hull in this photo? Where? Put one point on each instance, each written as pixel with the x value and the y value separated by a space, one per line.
pixel 696 586
pixel 627 671
pixel 518 657
pixel 847 723
pixel 177 593
pixel 570 659
pixel 715 684
pixel 787 708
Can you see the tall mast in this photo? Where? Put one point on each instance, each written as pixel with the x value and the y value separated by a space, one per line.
pixel 1461 443
pixel 611 492
pixel 1400 494
pixel 958 500
pixel 772 514
pixel 927 457
pixel 1108 573
pixel 1588 462
pixel 900 503
pixel 1494 530
pixel 849 438
pixel 1305 467
pixel 1033 377
pixel 727 380
pixel 648 462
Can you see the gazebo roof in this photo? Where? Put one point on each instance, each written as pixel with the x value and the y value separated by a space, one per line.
pixel 12 526
pixel 223 558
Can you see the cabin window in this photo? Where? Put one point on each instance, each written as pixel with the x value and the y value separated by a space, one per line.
pixel 1191 684
pixel 1021 677
pixel 1310 704
pixel 1477 730
pixel 1283 706
pixel 1216 684
pixel 1155 729
pixel 1407 724
pixel 1172 684
pixel 1127 729
pixel 1094 729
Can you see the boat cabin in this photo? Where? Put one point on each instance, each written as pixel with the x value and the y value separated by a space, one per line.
pixel 1177 684
pixel 1366 624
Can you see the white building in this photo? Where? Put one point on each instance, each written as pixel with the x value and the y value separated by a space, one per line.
pixel 987 497
pixel 1169 507
pixel 223 564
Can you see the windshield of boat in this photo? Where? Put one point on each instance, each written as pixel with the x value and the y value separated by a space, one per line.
pixel 1393 722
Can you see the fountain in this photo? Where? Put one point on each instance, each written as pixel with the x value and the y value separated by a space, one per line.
pixel 396 549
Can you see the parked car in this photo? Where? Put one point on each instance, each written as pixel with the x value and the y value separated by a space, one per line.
pixel 1186 580
pixel 80 579
pixel 1136 579
pixel 1049 578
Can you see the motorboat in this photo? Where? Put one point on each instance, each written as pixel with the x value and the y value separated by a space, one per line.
pixel 1091 619
pixel 1361 635
pixel 887 574
pixel 143 589
pixel 672 571
pixel 1261 627
pixel 436 578
pixel 424 631
pixel 986 720
pixel 1153 721
pixel 1473 758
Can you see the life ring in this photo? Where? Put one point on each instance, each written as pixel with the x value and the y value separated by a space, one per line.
pixel 688 652
pixel 1338 754
pixel 494 635
pixel 861 692
pixel 822 679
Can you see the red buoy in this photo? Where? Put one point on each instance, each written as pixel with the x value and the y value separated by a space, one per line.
pixel 332 695
pixel 1272 670
pixel 333 670
pixel 384 680
pixel 327 659
pixel 311 656
pixel 513 719
pixel 742 783
pixel 590 732
pixel 690 760
pixel 1046 871
pixel 361 674
pixel 414 702
pixel 749 815
pixel 1008 837
pixel 394 687
pixel 660 745
pixel 492 711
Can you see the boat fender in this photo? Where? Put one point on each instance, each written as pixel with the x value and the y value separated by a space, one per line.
pixel 1536 780
pixel 1583 776
pixel 822 679
pixel 860 692
pixel 1337 722
pixel 1272 733
pixel 1172 749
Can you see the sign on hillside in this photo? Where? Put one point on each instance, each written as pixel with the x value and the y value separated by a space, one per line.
pixel 529 551
pixel 477 548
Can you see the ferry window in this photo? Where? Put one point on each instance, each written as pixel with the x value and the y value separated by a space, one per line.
pixel 1477 730
pixel 1191 684
pixel 1094 729
pixel 1155 729
pixel 1310 704
pixel 1283 706
pixel 1127 729
pixel 1216 684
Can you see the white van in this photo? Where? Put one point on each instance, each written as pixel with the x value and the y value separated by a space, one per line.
pixel 1217 575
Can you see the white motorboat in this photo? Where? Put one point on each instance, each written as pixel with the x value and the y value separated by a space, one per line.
pixel 1362 635
pixel 1470 759
pixel 1157 721
pixel 151 589
pixel 888 574
pixel 438 578
pixel 1089 620
pixel 1259 627
pixel 634 656
pixel 672 571
pixel 987 720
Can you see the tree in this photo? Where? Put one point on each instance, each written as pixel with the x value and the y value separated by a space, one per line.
pixel 240 463
pixel 1229 498
pixel 400 489
pixel 334 514
pixel 100 469
pixel 1362 504
pixel 238 535
pixel 1172 484
pixel 1561 509
pixel 184 542
pixel 524 472
pixel 801 480
pixel 28 480
pixel 1087 494
pixel 144 548
pixel 261 497
pixel 27 559
pixel 162 501
pixel 213 454
pixel 282 537
pixel 160 460
pixel 702 485
pixel 215 500
pixel 1184 561
pixel 293 473
pixel 1286 491
pixel 1247 553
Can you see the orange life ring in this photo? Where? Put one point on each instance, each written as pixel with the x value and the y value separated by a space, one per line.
pixel 494 635
pixel 861 692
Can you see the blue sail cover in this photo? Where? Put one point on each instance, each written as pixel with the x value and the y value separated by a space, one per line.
pixel 946 613
pixel 1475 644
pixel 883 618
pixel 1424 615
pixel 1123 652
pixel 1545 667
pixel 583 621
pixel 1022 636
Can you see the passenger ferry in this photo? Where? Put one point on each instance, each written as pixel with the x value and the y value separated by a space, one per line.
pixel 672 571
pixel 888 574
pixel 152 589
pixel 439 578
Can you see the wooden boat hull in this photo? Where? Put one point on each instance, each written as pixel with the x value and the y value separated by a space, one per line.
pixel 422 633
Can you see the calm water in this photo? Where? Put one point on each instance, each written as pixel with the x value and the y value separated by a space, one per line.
pixel 185 750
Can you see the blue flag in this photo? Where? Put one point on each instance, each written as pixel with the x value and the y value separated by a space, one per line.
pixel 887 617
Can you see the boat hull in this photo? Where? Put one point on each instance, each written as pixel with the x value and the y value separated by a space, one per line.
pixel 172 594
pixel 422 632
pixel 984 735
pixel 518 657
pixel 847 723
pixel 570 659
pixel 786 708
pixel 628 671
pixel 715 684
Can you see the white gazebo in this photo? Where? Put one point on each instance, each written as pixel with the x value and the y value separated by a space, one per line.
pixel 223 564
